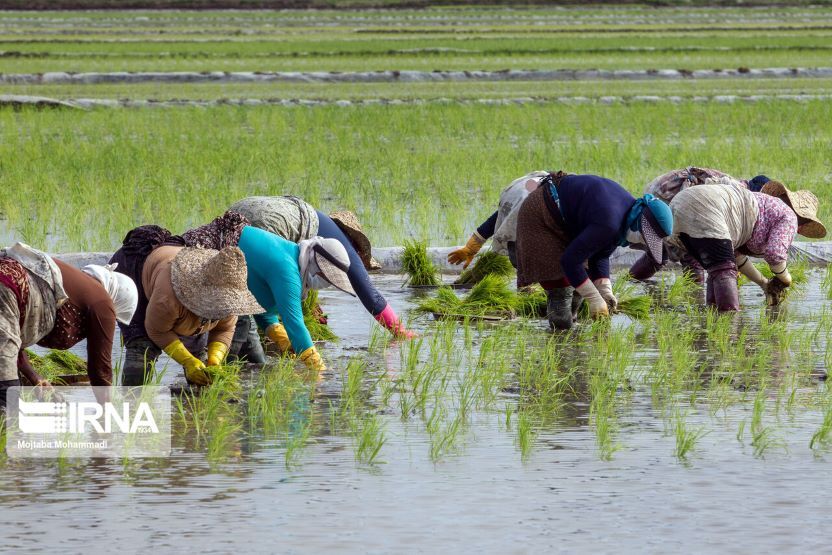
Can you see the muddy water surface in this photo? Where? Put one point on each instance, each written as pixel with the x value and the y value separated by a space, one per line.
pixel 482 495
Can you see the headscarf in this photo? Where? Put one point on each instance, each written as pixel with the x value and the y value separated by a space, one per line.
pixel 119 287
pixel 633 219
pixel 309 268
pixel 224 231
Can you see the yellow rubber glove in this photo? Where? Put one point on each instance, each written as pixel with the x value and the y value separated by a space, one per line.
pixel 749 270
pixel 277 333
pixel 312 359
pixel 467 253
pixel 216 353
pixel 597 305
pixel 194 368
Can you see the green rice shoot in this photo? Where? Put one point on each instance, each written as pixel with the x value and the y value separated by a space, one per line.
pixel 487 263
pixel 312 314
pixel 418 267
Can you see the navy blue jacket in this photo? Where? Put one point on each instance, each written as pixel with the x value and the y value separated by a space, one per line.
pixel 594 209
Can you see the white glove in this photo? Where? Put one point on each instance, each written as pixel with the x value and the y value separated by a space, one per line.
pixel 604 287
pixel 597 304
pixel 749 270
pixel 782 273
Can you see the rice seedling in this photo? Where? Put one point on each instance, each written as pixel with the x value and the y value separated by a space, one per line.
pixel 419 268
pixel 315 319
pixel 369 437
pixel 686 439
pixel 826 282
pixel 822 438
pixel 487 263
pixel 677 289
pixel 525 434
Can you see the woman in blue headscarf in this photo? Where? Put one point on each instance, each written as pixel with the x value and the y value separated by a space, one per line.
pixel 568 228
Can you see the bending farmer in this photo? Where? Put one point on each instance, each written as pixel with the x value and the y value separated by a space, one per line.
pixel 566 231
pixel 295 220
pixel 53 304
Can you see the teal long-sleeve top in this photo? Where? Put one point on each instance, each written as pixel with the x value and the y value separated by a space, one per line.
pixel 274 280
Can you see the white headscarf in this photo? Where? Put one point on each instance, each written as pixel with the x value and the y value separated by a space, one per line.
pixel 119 287
pixel 309 267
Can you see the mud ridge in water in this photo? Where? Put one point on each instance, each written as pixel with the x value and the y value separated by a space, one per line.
pixel 395 76
pixel 18 101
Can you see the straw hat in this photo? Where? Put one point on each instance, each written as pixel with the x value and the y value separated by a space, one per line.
pixel 804 204
pixel 349 224
pixel 212 284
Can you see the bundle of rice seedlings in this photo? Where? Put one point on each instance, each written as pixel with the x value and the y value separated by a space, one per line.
pixel 636 307
pixel 445 302
pixel 486 264
pixel 314 318
pixel 419 268
pixel 531 303
pixel 56 363
pixel 490 297
pixel 71 364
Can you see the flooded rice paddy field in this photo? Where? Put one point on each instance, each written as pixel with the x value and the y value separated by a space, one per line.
pixel 684 431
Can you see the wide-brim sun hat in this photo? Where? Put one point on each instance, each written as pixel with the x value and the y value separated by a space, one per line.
pixel 351 226
pixel 212 284
pixel 333 262
pixel 805 205
pixel 656 224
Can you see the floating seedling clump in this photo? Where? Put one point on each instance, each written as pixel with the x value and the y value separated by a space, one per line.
pixel 486 264
pixel 418 267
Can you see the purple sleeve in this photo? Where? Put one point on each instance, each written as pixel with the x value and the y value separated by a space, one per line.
pixel 487 228
pixel 591 245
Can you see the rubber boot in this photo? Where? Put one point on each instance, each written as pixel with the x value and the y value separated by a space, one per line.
pixel 690 264
pixel 710 300
pixel 559 307
pixel 245 345
pixel 140 354
pixel 577 301
pixel 723 280
pixel 644 268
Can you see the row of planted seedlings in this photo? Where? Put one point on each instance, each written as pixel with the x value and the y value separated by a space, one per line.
pixel 755 371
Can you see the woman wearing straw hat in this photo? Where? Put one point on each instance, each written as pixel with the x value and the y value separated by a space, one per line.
pixel 48 302
pixel 295 220
pixel 566 231
pixel 667 186
pixel 722 226
pixel 190 291
pixel 280 274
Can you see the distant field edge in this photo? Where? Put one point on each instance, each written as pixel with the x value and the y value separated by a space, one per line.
pixel 50 5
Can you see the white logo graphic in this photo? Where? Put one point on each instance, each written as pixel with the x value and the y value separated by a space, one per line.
pixel 57 418
pixel 42 418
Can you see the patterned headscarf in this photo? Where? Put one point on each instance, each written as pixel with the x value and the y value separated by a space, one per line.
pixel 223 232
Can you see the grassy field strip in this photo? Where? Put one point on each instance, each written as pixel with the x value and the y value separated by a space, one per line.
pixel 76 180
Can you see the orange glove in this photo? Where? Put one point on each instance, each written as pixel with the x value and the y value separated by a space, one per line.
pixel 467 253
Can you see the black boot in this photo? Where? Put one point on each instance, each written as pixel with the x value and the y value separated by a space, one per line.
pixel 559 307
pixel 140 354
